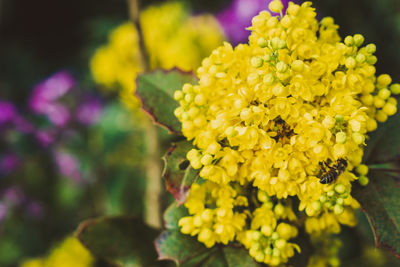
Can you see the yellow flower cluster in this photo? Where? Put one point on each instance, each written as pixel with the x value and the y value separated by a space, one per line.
pixel 69 253
pixel 287 115
pixel 172 39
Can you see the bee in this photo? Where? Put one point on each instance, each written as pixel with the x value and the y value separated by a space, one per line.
pixel 331 173
pixel 283 130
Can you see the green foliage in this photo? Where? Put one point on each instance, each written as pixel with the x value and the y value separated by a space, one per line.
pixel 156 92
pixel 381 198
pixel 381 202
pixel 178 173
pixel 122 240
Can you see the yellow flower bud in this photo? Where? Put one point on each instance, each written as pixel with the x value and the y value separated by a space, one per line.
pixel 206 159
pixel 207 215
pixel 281 67
pixel 395 88
pixel 360 58
pixel 389 109
pixel 378 102
pixel 340 188
pixel 384 80
pixel 262 42
pixel 193 154
pixel 372 60
pixel 187 88
pixel 293 9
pixel 286 21
pixel 316 205
pixel 269 79
pixel 178 95
pixel 339 118
pixel 276 6
pixel 371 125
pixel 257 62
pixel 341 137
pixel 381 116
pixel 280 243
pixel 349 41
pixel 213 148
pixel 384 93
pixel 338 209
pixel 370 49
pixel 367 100
pixel 350 63
pixel 285 231
pixel 277 43
pixel 279 209
pixel 358 138
pixel 200 100
pixel 362 169
pixel 363 180
pixel 267 230
pixel 358 39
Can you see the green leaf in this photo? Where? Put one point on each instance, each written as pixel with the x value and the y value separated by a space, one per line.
pixel 186 251
pixel 178 173
pixel 122 240
pixel 173 245
pixel 384 144
pixel 173 214
pixel 156 92
pixel 239 257
pixel 381 202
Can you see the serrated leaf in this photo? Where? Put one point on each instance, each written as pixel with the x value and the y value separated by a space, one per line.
pixel 173 214
pixel 156 92
pixel 383 144
pixel 173 245
pixel 178 174
pixel 381 202
pixel 123 240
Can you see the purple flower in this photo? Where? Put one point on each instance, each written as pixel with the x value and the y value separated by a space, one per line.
pixel 58 114
pixel 89 111
pixel 45 94
pixel 7 112
pixel 50 90
pixel 45 137
pixel 68 165
pixel 8 163
pixel 237 17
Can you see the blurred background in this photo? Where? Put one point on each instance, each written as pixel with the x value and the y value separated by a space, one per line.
pixel 70 149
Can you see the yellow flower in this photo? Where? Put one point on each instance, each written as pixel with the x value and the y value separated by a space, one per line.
pixel 69 253
pixel 172 39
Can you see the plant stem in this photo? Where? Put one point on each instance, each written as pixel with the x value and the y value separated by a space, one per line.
pixel 153 170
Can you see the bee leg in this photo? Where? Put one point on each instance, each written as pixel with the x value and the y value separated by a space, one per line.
pixel 323 180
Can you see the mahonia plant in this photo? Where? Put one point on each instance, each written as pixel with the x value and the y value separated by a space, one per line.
pixel 278 127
